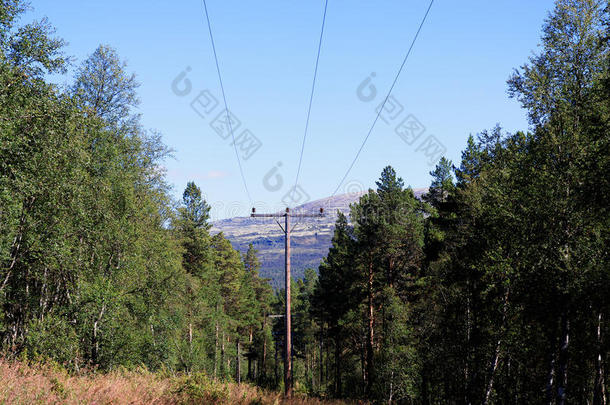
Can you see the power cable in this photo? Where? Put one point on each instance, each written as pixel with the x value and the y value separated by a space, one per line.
pixel 404 62
pixel 313 87
pixel 224 98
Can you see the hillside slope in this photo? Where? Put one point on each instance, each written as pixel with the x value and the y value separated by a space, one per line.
pixel 310 239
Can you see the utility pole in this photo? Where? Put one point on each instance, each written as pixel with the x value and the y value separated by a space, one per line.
pixel 288 317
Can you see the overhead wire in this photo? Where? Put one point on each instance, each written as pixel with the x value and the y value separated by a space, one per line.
pixel 382 106
pixel 312 92
pixel 224 98
pixel 311 95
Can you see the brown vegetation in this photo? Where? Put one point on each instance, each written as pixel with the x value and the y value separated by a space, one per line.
pixel 47 384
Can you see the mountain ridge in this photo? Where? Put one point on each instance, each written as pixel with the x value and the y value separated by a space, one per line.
pixel 310 239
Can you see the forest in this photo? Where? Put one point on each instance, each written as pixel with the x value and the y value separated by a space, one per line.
pixel 494 288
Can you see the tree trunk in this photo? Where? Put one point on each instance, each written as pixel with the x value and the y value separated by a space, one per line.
pixel 493 365
pixel 337 367
pixel 264 359
pixel 228 367
pixel 562 378
pixel 276 370
pixel 363 360
pixel 391 395
pixel 15 247
pixel 550 381
pixel 370 343
pixel 222 355
pixel 217 327
pixel 190 339
pixel 43 294
pixel 96 344
pixel 599 393
pixel 237 363
pixel 321 359
pixel 468 349
pixel 328 363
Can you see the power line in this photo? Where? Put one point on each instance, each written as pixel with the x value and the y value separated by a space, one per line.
pixel 224 98
pixel 404 62
pixel 313 87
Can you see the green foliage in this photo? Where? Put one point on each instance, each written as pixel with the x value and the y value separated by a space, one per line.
pixel 104 86
pixel 30 49
pixel 53 338
pixel 97 267
pixel 495 292
pixel 398 361
pixel 199 387
pixel 556 81
pixel 366 282
pixel 492 289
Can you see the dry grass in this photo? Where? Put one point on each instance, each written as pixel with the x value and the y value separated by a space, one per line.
pixel 21 383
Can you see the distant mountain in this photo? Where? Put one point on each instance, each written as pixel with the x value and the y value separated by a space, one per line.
pixel 310 239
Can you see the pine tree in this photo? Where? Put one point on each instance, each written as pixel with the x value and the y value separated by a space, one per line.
pixel 335 295
pixel 442 183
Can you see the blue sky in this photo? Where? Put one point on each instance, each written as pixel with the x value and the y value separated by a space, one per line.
pixel 453 84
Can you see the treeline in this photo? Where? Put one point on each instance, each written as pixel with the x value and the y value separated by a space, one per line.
pixel 99 268
pixel 495 288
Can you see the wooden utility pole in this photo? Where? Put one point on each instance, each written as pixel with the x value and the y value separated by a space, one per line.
pixel 288 316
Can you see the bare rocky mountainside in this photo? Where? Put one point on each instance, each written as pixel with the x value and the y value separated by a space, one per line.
pixel 310 241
